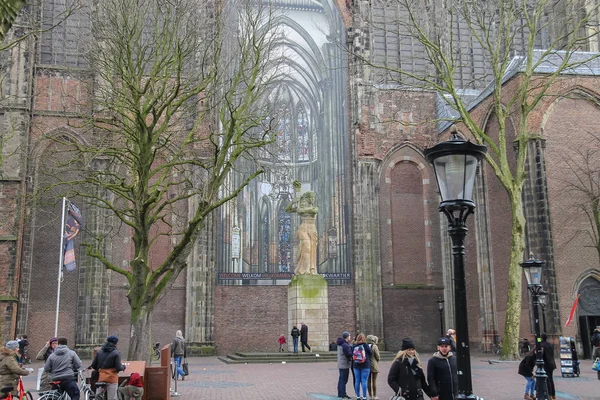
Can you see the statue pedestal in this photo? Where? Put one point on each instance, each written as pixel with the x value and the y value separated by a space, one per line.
pixel 308 303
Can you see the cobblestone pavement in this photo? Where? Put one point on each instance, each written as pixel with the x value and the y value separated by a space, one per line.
pixel 210 379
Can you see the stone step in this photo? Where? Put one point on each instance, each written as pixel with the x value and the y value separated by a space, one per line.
pixel 288 357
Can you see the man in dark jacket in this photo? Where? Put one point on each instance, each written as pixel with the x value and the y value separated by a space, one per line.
pixel 344 362
pixel 63 364
pixel 304 337
pixel 442 372
pixel 549 364
pixel 596 344
pixel 295 333
pixel 109 359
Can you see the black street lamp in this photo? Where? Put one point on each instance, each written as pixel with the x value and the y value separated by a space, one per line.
pixel 543 298
pixel 455 164
pixel 533 273
pixel 440 303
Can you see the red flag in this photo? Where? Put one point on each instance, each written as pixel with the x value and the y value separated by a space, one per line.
pixel 572 313
pixel 21 390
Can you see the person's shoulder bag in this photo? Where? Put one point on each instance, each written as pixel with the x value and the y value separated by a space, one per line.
pixel 185 367
pixel 596 365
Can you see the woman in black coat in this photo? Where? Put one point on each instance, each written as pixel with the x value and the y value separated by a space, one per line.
pixel 406 375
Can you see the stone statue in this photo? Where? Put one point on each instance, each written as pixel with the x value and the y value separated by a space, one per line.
pixel 307 236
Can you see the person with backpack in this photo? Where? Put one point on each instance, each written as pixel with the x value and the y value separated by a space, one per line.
pixel 361 365
pixel 295 333
pixel 526 367
pixel 108 365
pixel 406 377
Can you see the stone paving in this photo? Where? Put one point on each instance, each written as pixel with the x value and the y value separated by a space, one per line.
pixel 210 379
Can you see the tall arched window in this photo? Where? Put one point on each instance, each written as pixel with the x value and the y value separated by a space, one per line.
pixel 285 246
pixel 303 140
pixel 263 257
pixel 284 137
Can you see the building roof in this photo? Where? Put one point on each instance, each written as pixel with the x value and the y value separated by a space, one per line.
pixel 587 63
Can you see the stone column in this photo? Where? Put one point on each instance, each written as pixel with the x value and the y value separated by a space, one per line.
pixel 200 283
pixel 308 303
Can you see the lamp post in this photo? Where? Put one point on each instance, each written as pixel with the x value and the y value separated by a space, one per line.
pixel 455 164
pixel 543 299
pixel 533 273
pixel 440 304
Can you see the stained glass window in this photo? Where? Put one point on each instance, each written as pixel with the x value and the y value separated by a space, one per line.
pixel 285 246
pixel 265 242
pixel 284 137
pixel 303 140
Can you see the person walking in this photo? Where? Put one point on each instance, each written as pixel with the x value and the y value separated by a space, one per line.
pixel 375 357
pixel 9 366
pixel 549 364
pixel 596 343
pixel 108 364
pixel 406 376
pixel 43 355
pixel 132 387
pixel 295 333
pixel 304 336
pixel 344 362
pixel 62 365
pixel 179 352
pixel 442 375
pixel 526 367
pixel 361 357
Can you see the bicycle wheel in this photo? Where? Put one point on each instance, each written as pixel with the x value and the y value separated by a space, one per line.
pixel 50 395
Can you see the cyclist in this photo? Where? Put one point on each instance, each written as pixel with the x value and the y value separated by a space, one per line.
pixel 108 364
pixel 9 366
pixel 62 365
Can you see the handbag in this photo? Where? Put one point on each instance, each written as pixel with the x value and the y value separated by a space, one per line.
pixel 596 365
pixel 398 396
pixel 186 371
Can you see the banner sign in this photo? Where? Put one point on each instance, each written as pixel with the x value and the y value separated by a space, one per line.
pixel 235 242
pixel 275 275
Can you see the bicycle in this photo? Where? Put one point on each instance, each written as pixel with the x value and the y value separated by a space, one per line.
pixel 7 392
pixel 85 391
pixel 156 351
pixel 497 348
pixel 102 394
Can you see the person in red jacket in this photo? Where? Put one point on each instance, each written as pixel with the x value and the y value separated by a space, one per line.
pixel 132 388
pixel 281 341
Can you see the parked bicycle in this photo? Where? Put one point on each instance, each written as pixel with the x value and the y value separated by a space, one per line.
pixel 156 351
pixel 497 348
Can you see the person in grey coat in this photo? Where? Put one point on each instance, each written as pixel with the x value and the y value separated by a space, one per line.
pixel 62 365
pixel 344 362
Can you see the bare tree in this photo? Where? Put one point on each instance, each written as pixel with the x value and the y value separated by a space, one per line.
pixel 177 94
pixel 510 36
pixel 582 186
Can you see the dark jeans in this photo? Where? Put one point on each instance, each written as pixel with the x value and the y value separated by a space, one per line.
pixel 71 388
pixel 342 381
pixel 550 380
pixel 295 344
pixel 305 344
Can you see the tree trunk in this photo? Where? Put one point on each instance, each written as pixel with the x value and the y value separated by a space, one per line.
pixel 510 346
pixel 139 344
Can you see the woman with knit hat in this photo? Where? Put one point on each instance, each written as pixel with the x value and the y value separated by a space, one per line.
pixel 406 376
pixel 9 366
pixel 372 384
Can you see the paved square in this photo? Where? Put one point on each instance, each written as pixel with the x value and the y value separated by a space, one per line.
pixel 211 379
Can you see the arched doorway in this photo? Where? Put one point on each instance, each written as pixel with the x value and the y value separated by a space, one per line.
pixel 589 312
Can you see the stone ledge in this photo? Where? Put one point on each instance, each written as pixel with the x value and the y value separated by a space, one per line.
pixel 416 286
pixel 8 238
